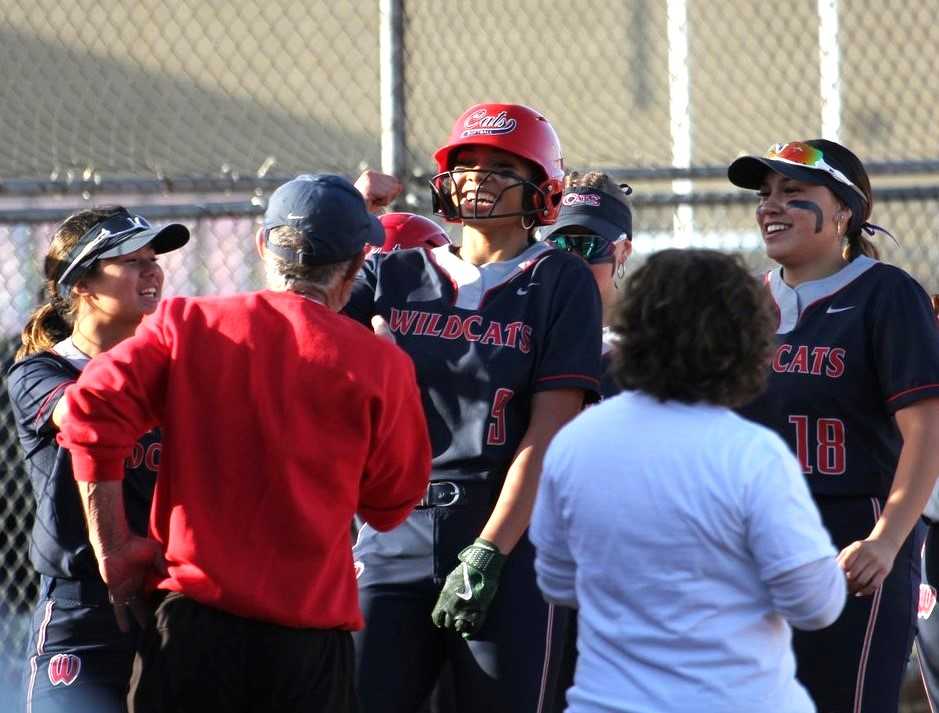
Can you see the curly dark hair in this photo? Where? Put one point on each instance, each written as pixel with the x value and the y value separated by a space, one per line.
pixel 694 325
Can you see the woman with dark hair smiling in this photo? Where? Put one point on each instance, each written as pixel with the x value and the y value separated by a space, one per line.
pixel 102 277
pixel 684 534
pixel 854 391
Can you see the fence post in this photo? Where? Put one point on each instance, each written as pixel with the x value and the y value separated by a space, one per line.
pixel 829 64
pixel 679 106
pixel 391 55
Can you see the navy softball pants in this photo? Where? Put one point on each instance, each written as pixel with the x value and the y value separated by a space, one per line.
pixel 400 653
pixel 857 664
pixel 78 660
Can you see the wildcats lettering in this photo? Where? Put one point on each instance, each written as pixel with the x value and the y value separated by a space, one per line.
pixel 817 361
pixel 515 335
pixel 149 457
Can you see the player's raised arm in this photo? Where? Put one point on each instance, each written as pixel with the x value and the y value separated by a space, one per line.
pixel 378 189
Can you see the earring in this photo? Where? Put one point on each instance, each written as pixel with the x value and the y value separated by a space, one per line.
pixel 619 272
pixel 841 224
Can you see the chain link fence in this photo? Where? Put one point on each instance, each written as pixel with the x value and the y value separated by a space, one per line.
pixel 194 111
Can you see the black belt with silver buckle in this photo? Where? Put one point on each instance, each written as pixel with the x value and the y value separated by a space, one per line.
pixel 442 494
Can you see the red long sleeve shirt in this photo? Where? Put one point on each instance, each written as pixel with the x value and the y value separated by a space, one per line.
pixel 280 420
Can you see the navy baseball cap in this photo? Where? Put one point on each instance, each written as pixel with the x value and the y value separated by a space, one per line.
pixel 330 214
pixel 594 210
pixel 116 235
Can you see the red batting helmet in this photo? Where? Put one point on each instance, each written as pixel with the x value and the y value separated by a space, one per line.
pixel 408 230
pixel 519 130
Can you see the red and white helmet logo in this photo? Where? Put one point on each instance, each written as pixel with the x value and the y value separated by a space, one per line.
pixel 64 668
pixel 482 123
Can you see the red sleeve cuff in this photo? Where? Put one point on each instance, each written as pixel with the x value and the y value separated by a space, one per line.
pixel 384 519
pixel 88 468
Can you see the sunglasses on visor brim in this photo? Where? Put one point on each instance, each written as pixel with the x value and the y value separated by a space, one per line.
pixel 795 159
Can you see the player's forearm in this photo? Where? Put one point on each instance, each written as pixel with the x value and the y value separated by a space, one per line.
pixel 916 472
pixel 103 503
pixel 513 509
pixel 512 513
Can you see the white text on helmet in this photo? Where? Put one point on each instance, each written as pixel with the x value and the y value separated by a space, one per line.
pixel 482 123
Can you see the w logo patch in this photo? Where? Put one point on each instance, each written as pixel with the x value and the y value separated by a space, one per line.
pixel 64 668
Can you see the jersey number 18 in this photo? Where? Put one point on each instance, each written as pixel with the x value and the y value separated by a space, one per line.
pixel 830 449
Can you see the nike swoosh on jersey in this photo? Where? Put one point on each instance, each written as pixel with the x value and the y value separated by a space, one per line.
pixel 835 310
pixel 467 594
pixel 524 290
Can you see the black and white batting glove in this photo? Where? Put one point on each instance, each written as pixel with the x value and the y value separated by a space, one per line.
pixel 469 589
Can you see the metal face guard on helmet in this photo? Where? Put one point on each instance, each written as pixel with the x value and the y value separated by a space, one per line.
pixel 446 201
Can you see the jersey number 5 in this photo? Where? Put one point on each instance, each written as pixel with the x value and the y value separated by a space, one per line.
pixel 495 436
pixel 829 451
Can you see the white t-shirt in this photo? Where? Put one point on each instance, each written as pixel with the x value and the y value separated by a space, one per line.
pixel 670 527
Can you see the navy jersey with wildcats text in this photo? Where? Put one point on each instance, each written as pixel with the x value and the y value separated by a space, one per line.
pixel 484 340
pixel 852 350
pixel 59 546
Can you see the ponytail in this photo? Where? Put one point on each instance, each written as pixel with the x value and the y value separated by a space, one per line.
pixel 858 244
pixel 45 328
pixel 860 201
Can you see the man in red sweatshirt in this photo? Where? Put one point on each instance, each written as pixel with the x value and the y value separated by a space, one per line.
pixel 281 419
